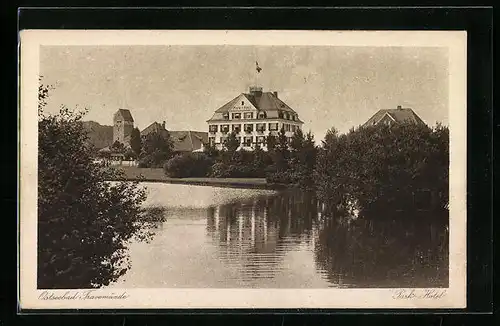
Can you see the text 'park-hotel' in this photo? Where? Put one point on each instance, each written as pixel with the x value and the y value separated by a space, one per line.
pixel 252 117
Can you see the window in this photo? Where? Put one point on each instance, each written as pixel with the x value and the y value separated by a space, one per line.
pixel 242 102
pixel 293 128
pixel 273 126
pixel 287 127
pixel 248 127
pixel 236 128
pixel 236 116
pixel 212 128
pixel 248 115
pixel 261 139
pixel 211 141
pixel 280 114
pixel 294 117
pixel 225 116
pixel 248 141
pixel 238 139
pixel 261 127
pixel 262 115
pixel 287 116
pixel 224 128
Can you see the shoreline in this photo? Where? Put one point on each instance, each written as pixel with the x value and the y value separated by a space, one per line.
pixel 156 175
pixel 214 182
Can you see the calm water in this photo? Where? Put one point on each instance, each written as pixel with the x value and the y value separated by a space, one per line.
pixel 227 238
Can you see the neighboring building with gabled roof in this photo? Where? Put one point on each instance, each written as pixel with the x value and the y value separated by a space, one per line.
pixel 155 127
pixel 391 116
pixel 188 140
pixel 252 116
pixel 183 140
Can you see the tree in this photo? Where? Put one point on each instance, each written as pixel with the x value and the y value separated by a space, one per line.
pixel 157 148
pixel 210 150
pixel 136 141
pixel 297 141
pixel 271 142
pixel 84 222
pixel 331 137
pixel 379 166
pixel 231 143
pixel 281 153
pixel 118 147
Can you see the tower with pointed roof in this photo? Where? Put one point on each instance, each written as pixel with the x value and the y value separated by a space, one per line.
pixel 123 124
pixel 252 117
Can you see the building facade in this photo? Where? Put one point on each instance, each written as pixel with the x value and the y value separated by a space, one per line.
pixel 123 124
pixel 252 117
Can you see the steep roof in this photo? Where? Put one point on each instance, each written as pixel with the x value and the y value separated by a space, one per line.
pixel 153 127
pixel 188 140
pixel 265 101
pixel 399 115
pixel 124 114
pixel 184 140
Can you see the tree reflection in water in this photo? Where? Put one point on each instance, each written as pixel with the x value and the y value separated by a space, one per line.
pixel 376 249
pixel 384 249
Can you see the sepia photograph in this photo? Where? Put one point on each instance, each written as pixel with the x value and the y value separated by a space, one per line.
pixel 242 169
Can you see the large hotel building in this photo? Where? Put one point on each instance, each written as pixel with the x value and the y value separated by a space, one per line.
pixel 252 116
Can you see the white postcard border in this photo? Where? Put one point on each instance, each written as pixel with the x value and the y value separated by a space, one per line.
pixel 31 298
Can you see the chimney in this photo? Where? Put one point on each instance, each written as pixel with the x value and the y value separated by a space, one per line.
pixel 275 94
pixel 256 91
pixel 163 124
pixel 399 107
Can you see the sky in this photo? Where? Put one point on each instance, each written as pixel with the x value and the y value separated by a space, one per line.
pixel 328 86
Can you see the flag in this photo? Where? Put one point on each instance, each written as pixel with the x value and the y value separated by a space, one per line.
pixel 257 67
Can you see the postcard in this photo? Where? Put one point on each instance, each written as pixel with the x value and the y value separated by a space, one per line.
pixel 221 169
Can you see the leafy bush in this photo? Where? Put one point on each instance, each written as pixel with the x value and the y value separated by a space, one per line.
pixel 385 166
pixel 157 148
pixel 84 222
pixel 235 170
pixel 188 165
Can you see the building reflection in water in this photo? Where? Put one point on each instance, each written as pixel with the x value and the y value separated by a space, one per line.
pixel 254 235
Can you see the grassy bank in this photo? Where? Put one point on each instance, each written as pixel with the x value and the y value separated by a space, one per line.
pixel 157 175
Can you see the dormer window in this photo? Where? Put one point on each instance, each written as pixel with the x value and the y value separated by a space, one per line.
pixel 262 115
pixel 248 115
pixel 236 116
pixel 226 116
